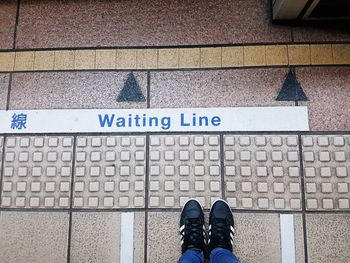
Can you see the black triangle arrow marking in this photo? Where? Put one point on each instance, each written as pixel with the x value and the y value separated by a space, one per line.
pixel 291 89
pixel 131 91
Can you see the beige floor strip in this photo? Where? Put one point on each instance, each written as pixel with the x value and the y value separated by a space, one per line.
pixel 176 58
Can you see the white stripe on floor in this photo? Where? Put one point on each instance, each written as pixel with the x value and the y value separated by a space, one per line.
pixel 287 238
pixel 127 238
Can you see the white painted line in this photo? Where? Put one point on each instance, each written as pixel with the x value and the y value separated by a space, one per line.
pixel 155 120
pixel 127 238
pixel 287 238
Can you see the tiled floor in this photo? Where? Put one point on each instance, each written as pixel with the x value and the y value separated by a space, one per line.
pixel 252 172
pixel 118 197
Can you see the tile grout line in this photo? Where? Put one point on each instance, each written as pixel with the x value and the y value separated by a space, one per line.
pixel 73 48
pixel 2 168
pixel 71 201
pixel 303 200
pixel 182 133
pixel 16 25
pixel 222 166
pixel 9 88
pixel 145 249
pixel 148 89
pixel 168 210
pixel 181 69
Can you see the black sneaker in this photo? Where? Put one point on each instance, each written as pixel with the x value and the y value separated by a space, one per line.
pixel 192 227
pixel 221 226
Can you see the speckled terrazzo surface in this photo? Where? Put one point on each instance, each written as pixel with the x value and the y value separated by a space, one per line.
pixel 221 88
pixel 328 90
pixel 145 23
pixel 4 82
pixel 72 90
pixel 7 23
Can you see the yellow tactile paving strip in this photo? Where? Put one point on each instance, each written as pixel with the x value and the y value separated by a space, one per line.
pixel 176 58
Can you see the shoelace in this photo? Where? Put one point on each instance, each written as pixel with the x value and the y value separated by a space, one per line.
pixel 220 232
pixel 193 232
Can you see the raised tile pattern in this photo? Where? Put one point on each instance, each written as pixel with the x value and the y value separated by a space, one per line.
pixel 262 172
pixel 110 172
pixel 37 172
pixel 326 170
pixel 183 167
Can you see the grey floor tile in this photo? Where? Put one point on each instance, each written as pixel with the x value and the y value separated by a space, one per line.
pixel 183 167
pixel 138 23
pixel 258 237
pixel 110 172
pixel 262 172
pixel 79 90
pixel 328 237
pixel 163 238
pixel 328 91
pixel 4 83
pixel 217 88
pixel 96 237
pixel 37 172
pixel 7 23
pixel 34 237
pixel 326 170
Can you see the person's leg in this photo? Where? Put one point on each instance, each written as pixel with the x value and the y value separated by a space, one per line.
pixel 222 255
pixel 192 256
pixel 192 233
pixel 221 232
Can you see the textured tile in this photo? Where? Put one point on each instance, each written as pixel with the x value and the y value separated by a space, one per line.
pixel 4 83
pixel 211 57
pixel 262 172
pixel 299 54
pixel 7 23
pixel 110 172
pixel 72 90
pixel 7 61
pixel 321 54
pixel 37 172
pixel 106 59
pixel 168 58
pixel 126 58
pixel 64 60
pixel 147 58
pixel 24 61
pixel 96 237
pixel 328 237
pixel 254 56
pixel 189 57
pixel 183 167
pixel 84 59
pixel 326 168
pixel 328 93
pixel 217 88
pixel 276 55
pixel 137 23
pixel 262 233
pixel 341 53
pixel 232 56
pixel 33 237
pixel 44 60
